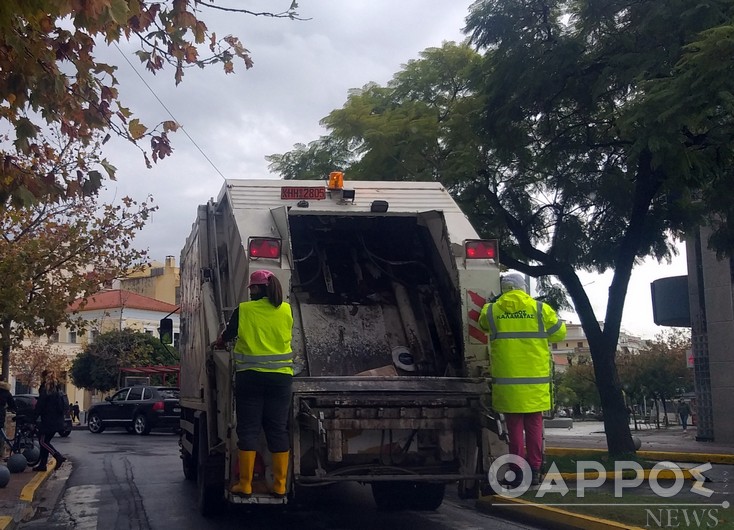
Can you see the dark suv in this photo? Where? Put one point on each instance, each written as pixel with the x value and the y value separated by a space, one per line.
pixel 138 409
pixel 25 405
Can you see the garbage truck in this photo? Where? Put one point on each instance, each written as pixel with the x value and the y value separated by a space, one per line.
pixel 391 372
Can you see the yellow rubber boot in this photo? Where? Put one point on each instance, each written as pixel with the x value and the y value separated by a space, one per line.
pixel 247 466
pixel 280 473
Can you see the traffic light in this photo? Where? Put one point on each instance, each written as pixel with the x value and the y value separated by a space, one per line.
pixel 165 331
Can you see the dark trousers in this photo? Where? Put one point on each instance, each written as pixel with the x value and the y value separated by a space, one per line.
pixel 44 439
pixel 263 400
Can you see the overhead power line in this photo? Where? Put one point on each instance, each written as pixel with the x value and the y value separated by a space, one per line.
pixel 170 113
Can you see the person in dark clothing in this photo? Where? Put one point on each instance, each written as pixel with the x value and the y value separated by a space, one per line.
pixel 50 408
pixel 75 412
pixel 6 401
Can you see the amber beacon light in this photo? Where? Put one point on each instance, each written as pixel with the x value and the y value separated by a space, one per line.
pixel 336 180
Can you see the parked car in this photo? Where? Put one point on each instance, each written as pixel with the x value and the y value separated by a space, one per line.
pixel 137 409
pixel 25 405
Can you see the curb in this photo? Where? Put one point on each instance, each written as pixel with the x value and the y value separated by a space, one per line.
pixel 713 458
pixel 24 510
pixel 546 515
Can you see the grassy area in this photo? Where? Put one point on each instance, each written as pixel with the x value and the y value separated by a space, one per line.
pixel 567 463
pixel 643 511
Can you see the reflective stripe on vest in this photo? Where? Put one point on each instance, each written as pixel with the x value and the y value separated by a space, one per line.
pixel 245 361
pixel 540 334
pixel 521 380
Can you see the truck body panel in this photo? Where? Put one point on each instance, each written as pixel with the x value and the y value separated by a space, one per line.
pixel 391 369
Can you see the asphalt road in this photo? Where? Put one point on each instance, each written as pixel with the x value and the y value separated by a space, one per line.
pixel 120 481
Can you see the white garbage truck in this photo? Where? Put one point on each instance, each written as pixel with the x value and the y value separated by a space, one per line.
pixel 391 387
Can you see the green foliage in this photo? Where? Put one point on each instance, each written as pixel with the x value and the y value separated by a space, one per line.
pixel 98 366
pixel 54 253
pixel 584 135
pixel 660 373
pixel 57 97
pixel 578 384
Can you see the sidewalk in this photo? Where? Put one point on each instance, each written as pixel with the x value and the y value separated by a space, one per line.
pixel 18 498
pixel 670 444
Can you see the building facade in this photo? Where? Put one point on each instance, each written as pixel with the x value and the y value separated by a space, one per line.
pixel 161 281
pixel 711 303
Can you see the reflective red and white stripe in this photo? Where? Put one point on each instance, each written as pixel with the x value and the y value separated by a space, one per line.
pixel 474 303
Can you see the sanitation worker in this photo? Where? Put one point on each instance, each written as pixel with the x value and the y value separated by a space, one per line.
pixel 520 332
pixel 263 362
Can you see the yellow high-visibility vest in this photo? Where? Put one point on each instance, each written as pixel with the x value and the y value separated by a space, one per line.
pixel 264 335
pixel 520 330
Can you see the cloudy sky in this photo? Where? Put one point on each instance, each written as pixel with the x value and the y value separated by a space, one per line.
pixel 303 70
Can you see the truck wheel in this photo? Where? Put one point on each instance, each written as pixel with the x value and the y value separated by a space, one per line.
pixel 428 496
pixel 392 495
pixel 423 496
pixel 189 466
pixel 211 491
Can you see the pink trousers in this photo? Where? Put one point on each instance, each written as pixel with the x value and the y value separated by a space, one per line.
pixel 532 437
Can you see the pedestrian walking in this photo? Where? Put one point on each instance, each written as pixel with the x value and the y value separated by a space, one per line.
pixel 263 362
pixel 520 332
pixel 50 409
pixel 684 410
pixel 75 412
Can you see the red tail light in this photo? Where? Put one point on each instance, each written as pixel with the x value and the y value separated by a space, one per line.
pixel 263 247
pixel 157 406
pixel 481 249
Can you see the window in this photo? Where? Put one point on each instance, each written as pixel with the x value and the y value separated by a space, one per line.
pixel 93 334
pixel 555 346
pixel 72 337
pixel 579 344
pixel 175 340
pixel 136 393
pixel 121 395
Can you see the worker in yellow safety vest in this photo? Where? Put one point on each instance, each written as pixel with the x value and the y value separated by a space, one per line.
pixel 520 330
pixel 263 362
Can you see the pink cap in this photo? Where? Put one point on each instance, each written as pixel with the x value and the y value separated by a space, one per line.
pixel 259 278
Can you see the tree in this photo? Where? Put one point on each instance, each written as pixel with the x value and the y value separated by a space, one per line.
pixel 661 372
pixel 28 362
pixel 564 143
pixel 54 253
pixel 57 96
pixel 98 366
pixel 580 381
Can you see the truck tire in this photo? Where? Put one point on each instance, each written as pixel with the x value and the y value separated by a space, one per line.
pixel 189 466
pixel 424 496
pixel 209 475
pixel 428 496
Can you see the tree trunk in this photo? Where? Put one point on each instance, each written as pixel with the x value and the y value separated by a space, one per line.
pixel 5 342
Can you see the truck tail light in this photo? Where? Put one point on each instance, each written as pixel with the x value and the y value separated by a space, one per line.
pixel 158 406
pixel 481 249
pixel 264 247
